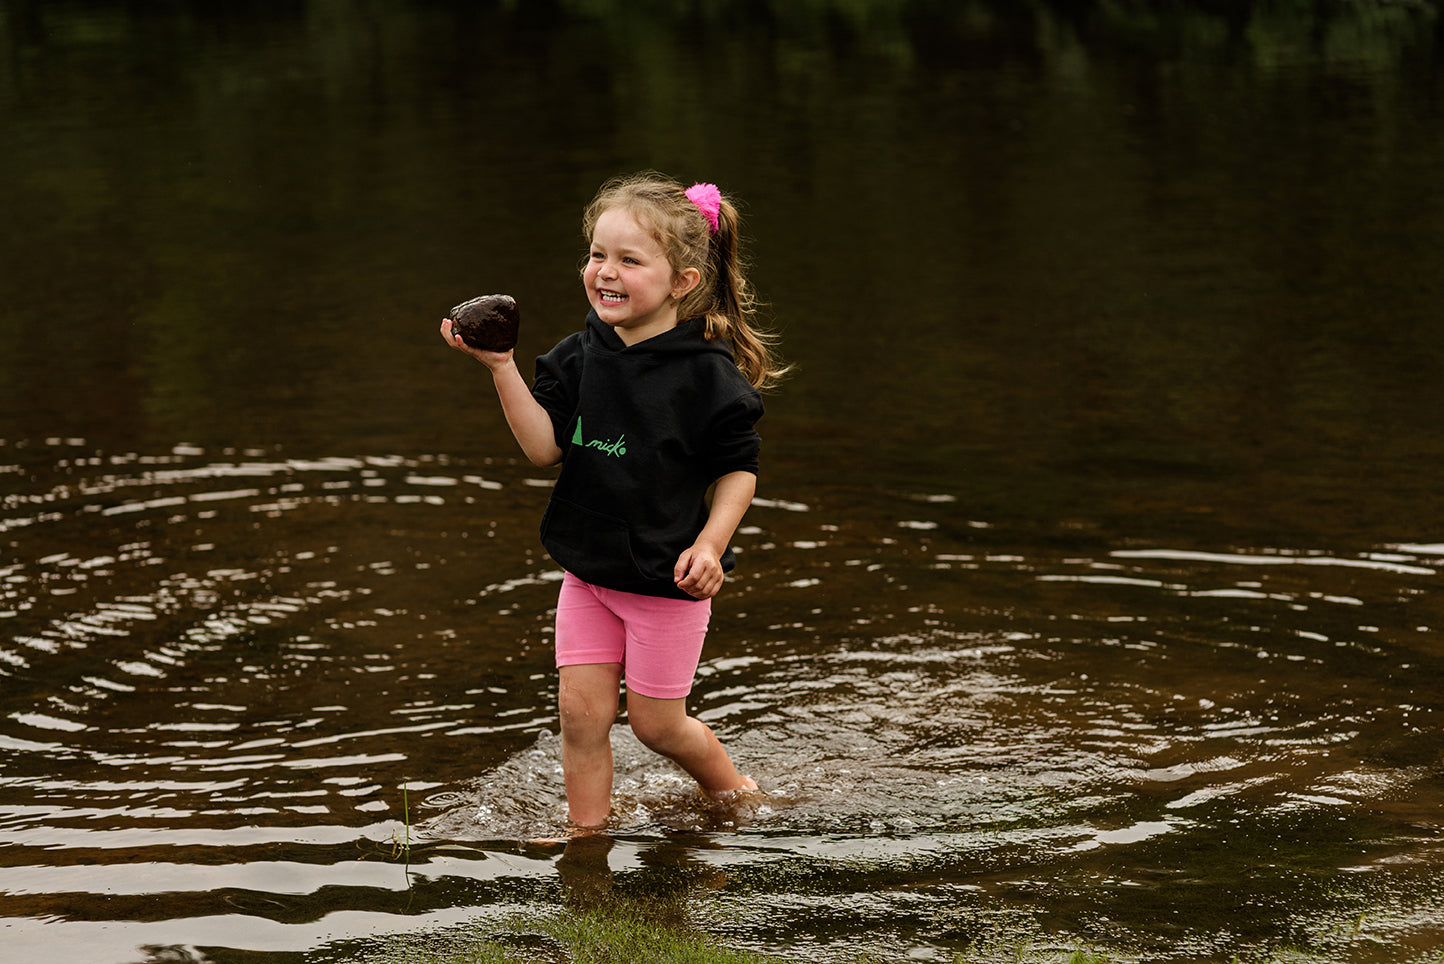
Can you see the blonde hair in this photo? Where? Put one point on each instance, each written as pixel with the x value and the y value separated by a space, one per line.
pixel 722 295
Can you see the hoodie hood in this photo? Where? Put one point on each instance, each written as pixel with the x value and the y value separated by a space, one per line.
pixel 688 338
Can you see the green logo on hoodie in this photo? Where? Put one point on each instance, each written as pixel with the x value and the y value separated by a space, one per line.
pixel 616 449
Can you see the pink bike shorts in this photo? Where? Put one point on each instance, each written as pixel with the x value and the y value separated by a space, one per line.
pixel 657 641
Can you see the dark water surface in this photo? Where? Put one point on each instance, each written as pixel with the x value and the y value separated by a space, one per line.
pixel 1091 598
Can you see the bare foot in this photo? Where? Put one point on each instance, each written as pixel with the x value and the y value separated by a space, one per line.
pixel 748 788
pixel 573 831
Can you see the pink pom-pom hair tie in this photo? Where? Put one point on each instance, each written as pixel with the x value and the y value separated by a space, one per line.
pixel 708 200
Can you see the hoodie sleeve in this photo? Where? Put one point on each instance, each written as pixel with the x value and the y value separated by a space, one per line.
pixel 557 383
pixel 734 444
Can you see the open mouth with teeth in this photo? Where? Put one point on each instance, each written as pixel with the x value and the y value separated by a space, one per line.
pixel 610 297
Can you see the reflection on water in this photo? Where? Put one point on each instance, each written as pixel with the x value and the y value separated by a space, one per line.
pixel 309 699
pixel 1089 600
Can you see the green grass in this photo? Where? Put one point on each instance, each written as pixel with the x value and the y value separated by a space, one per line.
pixel 613 933
pixel 1023 956
pixel 633 931
pixel 626 935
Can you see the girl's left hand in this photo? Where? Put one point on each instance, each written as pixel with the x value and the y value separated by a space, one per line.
pixel 699 572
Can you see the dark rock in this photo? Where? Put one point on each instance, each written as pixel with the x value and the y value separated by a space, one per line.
pixel 489 322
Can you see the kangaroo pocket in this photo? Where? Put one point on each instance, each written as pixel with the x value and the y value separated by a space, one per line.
pixel 590 545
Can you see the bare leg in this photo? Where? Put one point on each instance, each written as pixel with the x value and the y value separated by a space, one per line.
pixel 587 699
pixel 664 726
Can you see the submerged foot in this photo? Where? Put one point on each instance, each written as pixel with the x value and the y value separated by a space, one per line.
pixel 748 789
pixel 573 831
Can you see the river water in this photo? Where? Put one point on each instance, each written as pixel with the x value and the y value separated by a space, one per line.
pixel 1090 600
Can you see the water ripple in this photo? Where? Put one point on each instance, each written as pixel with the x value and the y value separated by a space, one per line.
pixel 222 667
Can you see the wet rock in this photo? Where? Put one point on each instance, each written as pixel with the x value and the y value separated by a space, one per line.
pixel 489 322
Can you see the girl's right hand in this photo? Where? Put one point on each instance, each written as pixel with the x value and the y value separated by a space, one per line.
pixel 491 359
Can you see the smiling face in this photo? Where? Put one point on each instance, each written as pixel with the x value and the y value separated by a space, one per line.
pixel 629 281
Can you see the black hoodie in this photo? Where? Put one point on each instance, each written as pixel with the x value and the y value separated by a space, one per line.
pixel 644 432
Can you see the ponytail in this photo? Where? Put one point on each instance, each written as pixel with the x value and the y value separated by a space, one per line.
pixel 732 306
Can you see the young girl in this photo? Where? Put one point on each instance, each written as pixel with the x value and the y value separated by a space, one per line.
pixel 645 409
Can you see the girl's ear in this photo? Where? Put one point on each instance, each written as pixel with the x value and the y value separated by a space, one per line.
pixel 685 281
